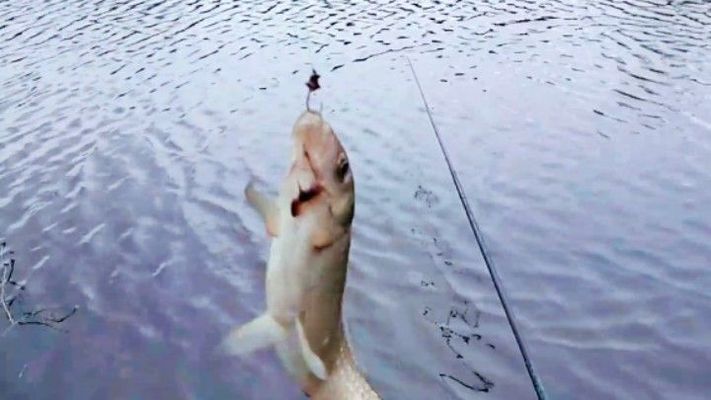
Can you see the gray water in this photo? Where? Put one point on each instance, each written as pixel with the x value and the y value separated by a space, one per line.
pixel 580 130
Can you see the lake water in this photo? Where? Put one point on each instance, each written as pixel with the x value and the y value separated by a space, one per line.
pixel 581 132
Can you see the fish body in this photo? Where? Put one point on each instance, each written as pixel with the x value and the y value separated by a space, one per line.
pixel 310 226
pixel 345 381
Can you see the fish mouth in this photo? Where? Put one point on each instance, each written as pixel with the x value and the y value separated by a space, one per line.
pixel 310 193
pixel 304 197
pixel 314 188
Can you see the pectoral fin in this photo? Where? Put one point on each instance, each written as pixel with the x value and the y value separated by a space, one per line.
pixel 259 333
pixel 265 206
pixel 313 361
pixel 324 236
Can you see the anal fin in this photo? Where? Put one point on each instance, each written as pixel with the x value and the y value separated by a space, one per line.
pixel 313 361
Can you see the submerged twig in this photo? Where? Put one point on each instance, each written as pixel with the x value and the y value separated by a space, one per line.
pixel 50 321
pixel 43 316
pixel 6 278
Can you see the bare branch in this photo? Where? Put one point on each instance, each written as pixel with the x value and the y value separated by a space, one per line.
pixel 5 278
pixel 42 317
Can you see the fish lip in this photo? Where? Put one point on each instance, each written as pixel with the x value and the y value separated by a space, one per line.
pixel 310 193
pixel 305 196
pixel 310 164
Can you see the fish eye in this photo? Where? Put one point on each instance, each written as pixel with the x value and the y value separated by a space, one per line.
pixel 342 169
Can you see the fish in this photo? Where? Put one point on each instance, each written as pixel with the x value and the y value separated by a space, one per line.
pixel 309 223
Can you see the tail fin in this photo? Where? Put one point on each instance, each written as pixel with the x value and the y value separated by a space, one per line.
pixel 257 334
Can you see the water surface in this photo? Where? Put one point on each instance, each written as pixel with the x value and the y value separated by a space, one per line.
pixel 579 129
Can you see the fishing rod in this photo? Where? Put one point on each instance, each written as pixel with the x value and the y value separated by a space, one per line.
pixel 538 387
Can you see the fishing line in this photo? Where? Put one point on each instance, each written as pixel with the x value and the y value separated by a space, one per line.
pixel 482 247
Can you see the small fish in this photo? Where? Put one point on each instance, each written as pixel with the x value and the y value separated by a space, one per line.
pixel 310 226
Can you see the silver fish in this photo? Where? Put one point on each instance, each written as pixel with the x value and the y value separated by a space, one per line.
pixel 310 226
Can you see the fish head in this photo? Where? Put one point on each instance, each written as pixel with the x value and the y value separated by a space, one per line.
pixel 320 172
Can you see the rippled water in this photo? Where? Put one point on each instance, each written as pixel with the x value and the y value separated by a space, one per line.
pixel 581 132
